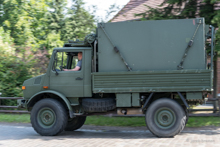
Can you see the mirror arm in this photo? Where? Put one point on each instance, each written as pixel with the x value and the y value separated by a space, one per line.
pixel 55 60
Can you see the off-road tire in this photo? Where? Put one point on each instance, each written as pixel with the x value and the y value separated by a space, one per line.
pixel 98 105
pixel 49 117
pixel 165 118
pixel 75 123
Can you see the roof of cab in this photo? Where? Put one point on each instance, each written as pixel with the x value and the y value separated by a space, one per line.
pixel 73 48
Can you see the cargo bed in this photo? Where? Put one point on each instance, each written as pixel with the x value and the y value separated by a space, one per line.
pixel 152 81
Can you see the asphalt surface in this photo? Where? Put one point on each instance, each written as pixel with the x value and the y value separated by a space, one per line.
pixel 13 135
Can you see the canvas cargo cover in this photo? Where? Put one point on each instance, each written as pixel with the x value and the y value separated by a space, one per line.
pixel 151 45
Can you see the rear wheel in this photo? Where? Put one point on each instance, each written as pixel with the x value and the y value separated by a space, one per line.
pixel 48 117
pixel 165 118
pixel 75 123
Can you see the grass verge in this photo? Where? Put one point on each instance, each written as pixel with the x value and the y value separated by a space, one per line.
pixel 18 118
pixel 116 121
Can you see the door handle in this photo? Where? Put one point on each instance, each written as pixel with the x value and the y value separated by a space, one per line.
pixel 78 78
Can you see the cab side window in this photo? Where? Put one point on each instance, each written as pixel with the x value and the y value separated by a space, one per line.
pixel 74 62
pixel 60 61
pixel 68 61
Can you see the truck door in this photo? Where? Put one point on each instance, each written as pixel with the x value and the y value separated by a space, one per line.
pixel 70 82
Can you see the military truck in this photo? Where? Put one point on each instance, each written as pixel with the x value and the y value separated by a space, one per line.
pixel 157 68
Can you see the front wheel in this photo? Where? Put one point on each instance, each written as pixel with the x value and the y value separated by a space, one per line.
pixel 165 118
pixel 48 117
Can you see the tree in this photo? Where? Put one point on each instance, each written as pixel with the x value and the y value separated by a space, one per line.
pixel 112 9
pixel 55 16
pixel 13 71
pixel 79 22
pixel 216 21
pixel 24 20
pixel 181 9
pixel 6 43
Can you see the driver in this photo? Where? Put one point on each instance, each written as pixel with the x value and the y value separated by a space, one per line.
pixel 79 64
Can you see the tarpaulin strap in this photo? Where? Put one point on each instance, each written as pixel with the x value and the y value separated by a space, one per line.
pixel 180 66
pixel 116 49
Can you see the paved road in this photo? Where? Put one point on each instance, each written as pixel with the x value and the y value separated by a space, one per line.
pixel 23 135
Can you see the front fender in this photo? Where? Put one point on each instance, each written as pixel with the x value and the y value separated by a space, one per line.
pixel 63 97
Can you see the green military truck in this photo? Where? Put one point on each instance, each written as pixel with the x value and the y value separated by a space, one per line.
pixel 157 68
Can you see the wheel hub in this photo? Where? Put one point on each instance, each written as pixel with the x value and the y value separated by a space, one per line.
pixel 164 118
pixel 46 117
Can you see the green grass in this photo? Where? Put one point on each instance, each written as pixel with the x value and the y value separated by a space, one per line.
pixel 116 121
pixel 18 118
pixel 140 121
pixel 203 121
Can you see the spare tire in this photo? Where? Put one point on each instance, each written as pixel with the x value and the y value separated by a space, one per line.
pixel 98 105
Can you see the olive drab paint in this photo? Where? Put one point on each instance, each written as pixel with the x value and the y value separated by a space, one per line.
pixel 151 45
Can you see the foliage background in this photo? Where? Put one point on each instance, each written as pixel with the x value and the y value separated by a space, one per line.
pixel 29 30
